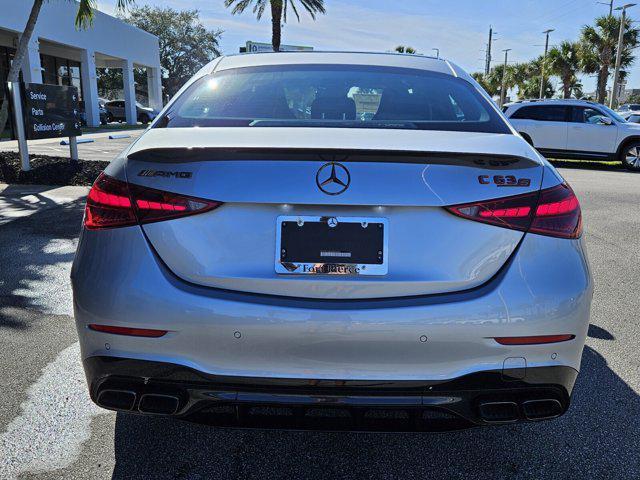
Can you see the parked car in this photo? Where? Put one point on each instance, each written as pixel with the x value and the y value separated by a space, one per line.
pixel 116 112
pixel 309 267
pixel 628 108
pixel 102 111
pixel 577 129
pixel 633 118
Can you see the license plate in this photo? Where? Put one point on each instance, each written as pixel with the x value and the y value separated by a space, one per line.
pixel 310 245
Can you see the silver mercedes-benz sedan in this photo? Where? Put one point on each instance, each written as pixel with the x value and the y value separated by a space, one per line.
pixel 332 241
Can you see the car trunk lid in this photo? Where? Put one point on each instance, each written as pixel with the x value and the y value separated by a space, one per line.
pixel 399 179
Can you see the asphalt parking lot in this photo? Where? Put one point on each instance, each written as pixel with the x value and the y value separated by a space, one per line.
pixel 49 429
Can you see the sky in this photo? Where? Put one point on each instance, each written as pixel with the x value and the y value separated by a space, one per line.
pixel 459 28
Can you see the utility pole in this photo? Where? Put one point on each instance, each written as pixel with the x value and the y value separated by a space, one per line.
pixel 610 3
pixel 544 60
pixel 487 63
pixel 614 91
pixel 503 88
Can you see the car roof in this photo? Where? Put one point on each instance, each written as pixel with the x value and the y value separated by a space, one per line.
pixel 552 101
pixel 421 62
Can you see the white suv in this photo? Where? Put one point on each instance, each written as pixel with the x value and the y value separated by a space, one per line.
pixel 577 129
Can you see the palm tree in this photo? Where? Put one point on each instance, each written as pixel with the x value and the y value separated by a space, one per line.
pixel 521 72
pixel 403 49
pixel 529 76
pixel 84 18
pixel 486 82
pixel 576 88
pixel 279 10
pixel 598 49
pixel 564 62
pixel 496 75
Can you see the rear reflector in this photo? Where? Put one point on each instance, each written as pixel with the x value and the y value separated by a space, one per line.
pixel 534 340
pixel 114 203
pixel 132 332
pixel 554 212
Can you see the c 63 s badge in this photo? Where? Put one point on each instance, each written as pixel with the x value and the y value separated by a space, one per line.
pixel 164 174
pixel 504 180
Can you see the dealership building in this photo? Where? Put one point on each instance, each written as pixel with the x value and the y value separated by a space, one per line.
pixel 60 54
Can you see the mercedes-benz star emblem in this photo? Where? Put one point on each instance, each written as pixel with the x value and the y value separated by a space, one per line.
pixel 332 222
pixel 333 178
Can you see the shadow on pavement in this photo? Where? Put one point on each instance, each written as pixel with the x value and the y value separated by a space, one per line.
pixel 33 250
pixel 597 438
pixel 599 332
pixel 12 206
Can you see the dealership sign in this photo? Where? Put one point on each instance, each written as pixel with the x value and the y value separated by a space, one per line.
pixel 50 111
pixel 259 47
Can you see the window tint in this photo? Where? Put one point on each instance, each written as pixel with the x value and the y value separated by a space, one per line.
pixel 345 96
pixel 586 115
pixel 545 113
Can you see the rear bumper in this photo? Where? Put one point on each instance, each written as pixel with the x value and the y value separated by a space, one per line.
pixel 480 398
pixel 118 280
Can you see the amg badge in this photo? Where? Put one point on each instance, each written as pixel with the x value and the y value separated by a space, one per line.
pixel 164 173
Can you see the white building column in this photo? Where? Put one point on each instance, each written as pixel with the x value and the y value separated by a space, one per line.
pixel 31 68
pixel 129 92
pixel 89 79
pixel 154 88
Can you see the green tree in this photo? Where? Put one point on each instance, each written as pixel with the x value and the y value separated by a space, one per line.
pixel 527 79
pixel 403 49
pixel 498 74
pixel 598 45
pixel 186 45
pixel 111 82
pixel 576 88
pixel 279 10
pixel 486 82
pixel 84 18
pixel 564 62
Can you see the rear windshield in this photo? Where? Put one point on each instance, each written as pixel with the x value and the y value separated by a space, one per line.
pixel 333 96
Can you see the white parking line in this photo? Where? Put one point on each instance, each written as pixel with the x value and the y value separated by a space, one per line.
pixel 54 423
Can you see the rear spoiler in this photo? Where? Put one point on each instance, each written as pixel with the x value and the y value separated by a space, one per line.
pixel 213 154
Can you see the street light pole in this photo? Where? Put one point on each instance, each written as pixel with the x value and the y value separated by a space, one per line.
pixel 614 92
pixel 503 92
pixel 544 60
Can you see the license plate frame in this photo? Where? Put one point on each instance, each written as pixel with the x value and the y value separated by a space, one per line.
pixel 291 266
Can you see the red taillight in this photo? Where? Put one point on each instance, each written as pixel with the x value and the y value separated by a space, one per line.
pixel 109 204
pixel 558 213
pixel 537 340
pixel 114 203
pixel 554 211
pixel 132 332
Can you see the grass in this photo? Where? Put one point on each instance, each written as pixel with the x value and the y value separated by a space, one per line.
pixel 587 164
